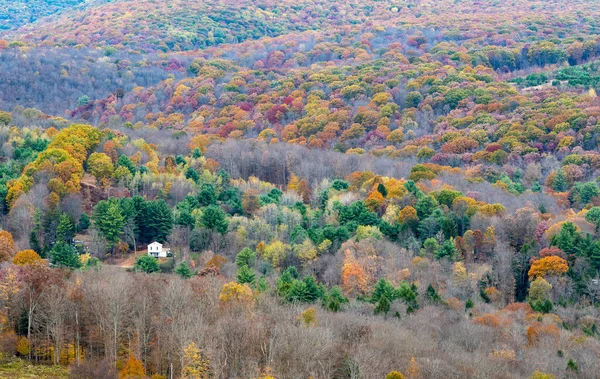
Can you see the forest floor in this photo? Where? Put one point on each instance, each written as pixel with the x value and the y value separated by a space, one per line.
pixel 19 369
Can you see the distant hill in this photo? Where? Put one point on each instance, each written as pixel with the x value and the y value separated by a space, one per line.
pixel 16 13
pixel 159 25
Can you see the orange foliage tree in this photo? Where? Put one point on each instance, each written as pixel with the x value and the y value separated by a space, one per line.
pixel 133 369
pixel 550 265
pixel 354 277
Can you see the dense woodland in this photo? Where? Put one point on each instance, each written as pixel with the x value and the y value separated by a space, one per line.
pixel 358 189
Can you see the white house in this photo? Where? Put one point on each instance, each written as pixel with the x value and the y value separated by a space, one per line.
pixel 156 250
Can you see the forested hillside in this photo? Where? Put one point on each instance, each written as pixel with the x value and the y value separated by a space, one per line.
pixel 358 189
pixel 15 13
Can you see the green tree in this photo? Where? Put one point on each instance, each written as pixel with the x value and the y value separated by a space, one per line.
pixel 64 255
pixel 432 294
pixel 65 231
pixel 158 222
pixel 109 220
pixel 448 249
pixel 84 222
pixel 207 195
pixel 425 206
pixel 593 216
pixel 190 173
pixel 214 218
pixel 560 182
pixel 246 257
pixel 383 306
pixel 383 288
pixel 124 161
pixel 196 153
pixel 567 239
pixel 147 264
pixel 245 275
pixel 382 190
pixel 334 300
pixel 184 270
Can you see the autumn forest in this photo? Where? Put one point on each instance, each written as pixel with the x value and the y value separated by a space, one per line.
pixel 263 189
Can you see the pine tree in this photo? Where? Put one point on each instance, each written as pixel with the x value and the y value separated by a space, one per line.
pixel 334 300
pixel 382 190
pixel 383 305
pixel 245 275
pixel 432 294
pixel 184 270
pixel 383 288
pixel 158 221
pixel 84 222
pixel 109 220
pixel 313 292
pixel 147 264
pixel 65 231
pixel 560 182
pixel 64 255
pixel 246 257
pixel 207 195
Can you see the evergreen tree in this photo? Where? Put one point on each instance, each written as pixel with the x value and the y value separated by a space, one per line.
pixel 448 249
pixel 246 257
pixel 147 264
pixel 334 300
pixel 190 173
pixel 425 206
pixel 196 153
pixel 312 290
pixel 207 195
pixel 383 306
pixel 124 161
pixel 109 220
pixel 65 231
pixel 158 221
pixel 432 294
pixel 214 218
pixel 560 182
pixel 593 216
pixel 383 288
pixel 64 255
pixel 184 270
pixel 382 190
pixel 567 239
pixel 245 275
pixel 262 285
pixel 84 222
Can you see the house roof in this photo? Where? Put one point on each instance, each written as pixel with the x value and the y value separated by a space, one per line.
pixel 155 243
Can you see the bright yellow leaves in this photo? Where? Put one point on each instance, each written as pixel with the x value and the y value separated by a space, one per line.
pixel 235 293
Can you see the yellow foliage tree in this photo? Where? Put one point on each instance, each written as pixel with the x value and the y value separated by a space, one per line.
pixel 26 257
pixel 23 347
pixel 196 366
pixel 234 292
pixel 308 317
